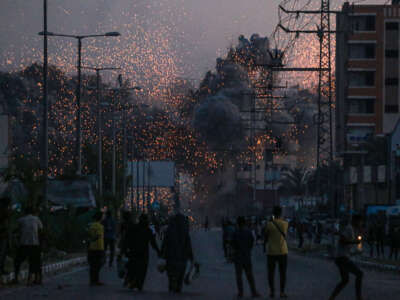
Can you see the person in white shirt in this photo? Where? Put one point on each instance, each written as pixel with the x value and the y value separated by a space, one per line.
pixel 29 228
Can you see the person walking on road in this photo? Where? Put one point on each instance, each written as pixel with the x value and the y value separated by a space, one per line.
pixel 136 248
pixel 300 233
pixel 380 238
pixel 177 250
pixel 227 236
pixel 110 229
pixel 346 243
pixel 206 224
pixel 394 243
pixel 275 236
pixel 242 243
pixel 96 249
pixel 29 229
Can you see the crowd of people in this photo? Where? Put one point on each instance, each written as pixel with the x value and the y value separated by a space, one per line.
pixel 130 241
pixel 135 239
pixel 239 239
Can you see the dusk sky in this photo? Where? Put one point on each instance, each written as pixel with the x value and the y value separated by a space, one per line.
pixel 187 34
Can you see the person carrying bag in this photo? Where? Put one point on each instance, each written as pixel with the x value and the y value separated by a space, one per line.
pixel 275 237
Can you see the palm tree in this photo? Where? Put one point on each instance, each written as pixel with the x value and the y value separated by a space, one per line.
pixel 294 182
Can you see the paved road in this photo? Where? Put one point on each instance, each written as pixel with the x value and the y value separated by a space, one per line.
pixel 308 279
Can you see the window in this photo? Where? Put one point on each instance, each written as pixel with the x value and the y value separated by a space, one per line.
pixel 361 106
pixel 391 109
pixel 360 51
pixel 391 81
pixel 392 26
pixel 361 78
pixel 363 23
pixel 392 53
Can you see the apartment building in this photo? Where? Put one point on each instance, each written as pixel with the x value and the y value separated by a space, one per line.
pixel 367 94
pixel 367 73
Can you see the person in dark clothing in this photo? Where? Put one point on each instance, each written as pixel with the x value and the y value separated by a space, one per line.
pixel 227 240
pixel 5 215
pixel 136 248
pixel 242 242
pixel 125 224
pixel 380 239
pixel 371 239
pixel 300 233
pixel 206 224
pixel 177 250
pixel 394 242
pixel 110 236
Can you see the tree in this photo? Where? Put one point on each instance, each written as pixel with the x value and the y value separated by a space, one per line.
pixel 294 182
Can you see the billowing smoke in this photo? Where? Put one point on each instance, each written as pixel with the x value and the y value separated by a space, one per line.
pixel 218 119
pixel 223 94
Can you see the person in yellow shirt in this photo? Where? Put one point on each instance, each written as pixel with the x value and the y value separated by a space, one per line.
pixel 275 237
pixel 96 249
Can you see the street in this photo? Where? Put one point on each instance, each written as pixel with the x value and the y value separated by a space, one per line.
pixel 307 279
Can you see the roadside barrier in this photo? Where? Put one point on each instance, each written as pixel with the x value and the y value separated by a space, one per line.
pixel 49 268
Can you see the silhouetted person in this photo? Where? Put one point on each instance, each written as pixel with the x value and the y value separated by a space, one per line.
pixel 371 239
pixel 125 224
pixel 96 249
pixel 29 227
pixel 206 224
pixel 275 236
pixel 300 233
pixel 110 235
pixel 177 250
pixel 5 216
pixel 347 240
pixel 380 239
pixel 394 242
pixel 136 248
pixel 242 242
pixel 227 237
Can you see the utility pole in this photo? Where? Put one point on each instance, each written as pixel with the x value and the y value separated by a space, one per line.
pixel 323 119
pixel 114 179
pixel 78 102
pixel 45 154
pixel 99 125
pixel 124 153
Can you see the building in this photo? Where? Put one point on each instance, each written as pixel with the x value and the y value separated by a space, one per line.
pixel 367 94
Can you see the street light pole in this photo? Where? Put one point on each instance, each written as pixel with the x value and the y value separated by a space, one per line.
pixel 45 153
pixel 78 102
pixel 114 182
pixel 99 122
pixel 125 153
pixel 78 88
pixel 99 136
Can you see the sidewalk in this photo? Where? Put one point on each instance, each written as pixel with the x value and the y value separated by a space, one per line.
pixel 48 269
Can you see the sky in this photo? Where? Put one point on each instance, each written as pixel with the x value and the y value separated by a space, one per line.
pixel 160 38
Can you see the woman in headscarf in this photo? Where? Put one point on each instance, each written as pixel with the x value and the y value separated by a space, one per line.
pixel 177 250
pixel 136 248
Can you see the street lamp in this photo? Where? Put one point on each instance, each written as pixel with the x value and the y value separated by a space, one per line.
pixel 78 88
pixel 117 90
pixel 99 135
pixel 45 150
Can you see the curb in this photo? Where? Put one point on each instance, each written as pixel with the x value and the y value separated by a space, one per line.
pixel 48 269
